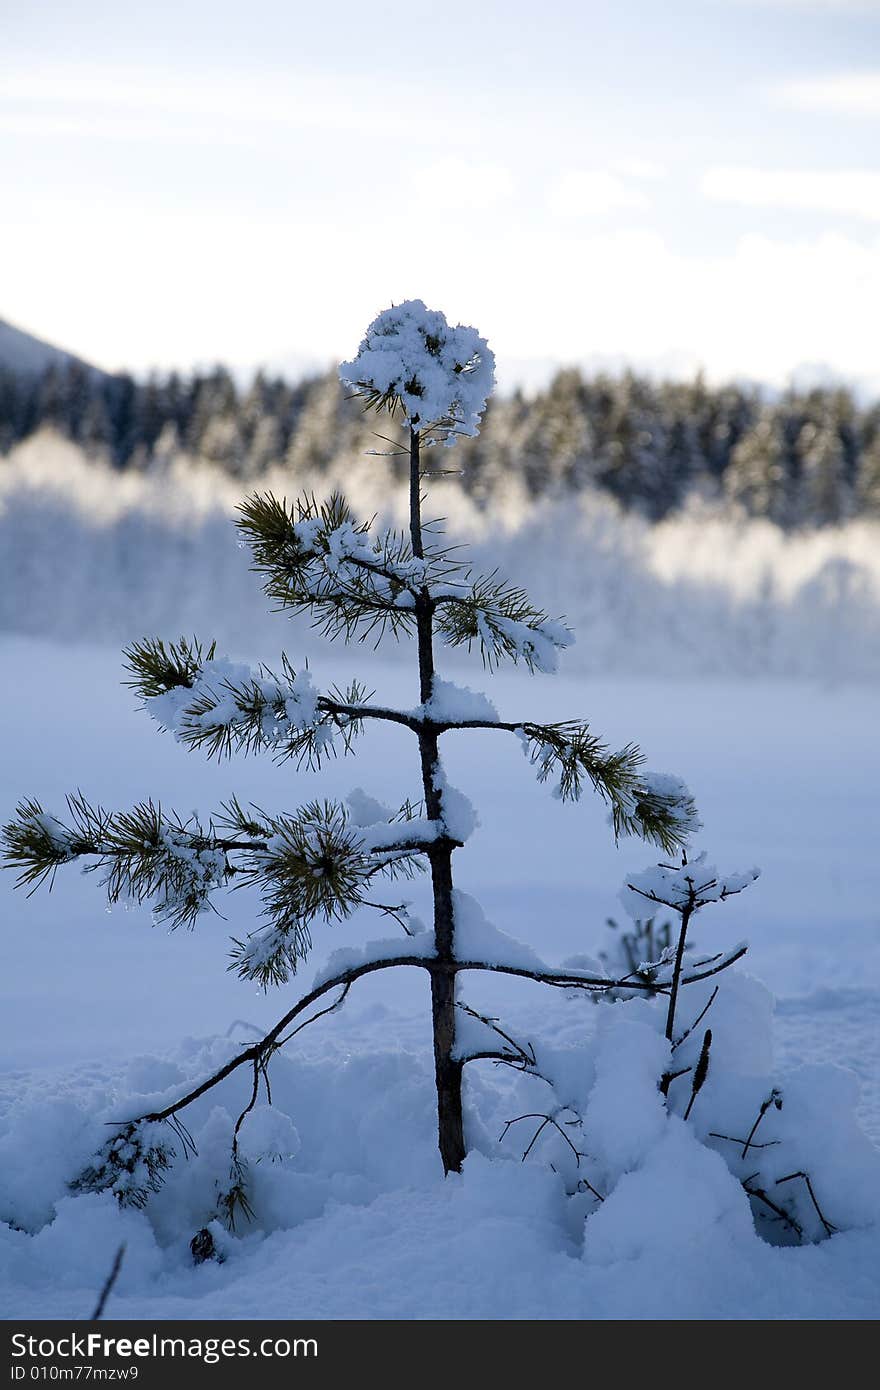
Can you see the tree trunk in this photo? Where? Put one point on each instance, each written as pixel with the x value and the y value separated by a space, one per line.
pixel 447 1069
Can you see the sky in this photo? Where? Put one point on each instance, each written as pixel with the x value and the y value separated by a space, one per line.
pixel 671 185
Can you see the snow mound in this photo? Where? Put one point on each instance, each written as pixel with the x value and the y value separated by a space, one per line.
pixel 353 1219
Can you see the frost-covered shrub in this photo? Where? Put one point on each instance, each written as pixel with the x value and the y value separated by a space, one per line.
pixel 670 1074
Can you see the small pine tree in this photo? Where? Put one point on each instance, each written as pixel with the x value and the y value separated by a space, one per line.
pixel 321 862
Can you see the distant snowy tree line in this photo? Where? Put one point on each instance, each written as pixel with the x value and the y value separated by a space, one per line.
pixel 809 458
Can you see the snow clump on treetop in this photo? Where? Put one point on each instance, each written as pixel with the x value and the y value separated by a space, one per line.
pixel 441 375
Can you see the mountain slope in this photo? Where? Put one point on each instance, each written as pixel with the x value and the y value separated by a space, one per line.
pixel 27 355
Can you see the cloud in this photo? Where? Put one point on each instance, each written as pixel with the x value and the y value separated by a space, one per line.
pixel 640 169
pixel 455 184
pixel 834 6
pixel 118 129
pixel 591 192
pixel 291 283
pixel 76 87
pixel 842 93
pixel 83 100
pixel 845 192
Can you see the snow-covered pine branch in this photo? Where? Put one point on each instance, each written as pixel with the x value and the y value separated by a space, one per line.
pixel 141 855
pixel 131 1164
pixel 503 623
pixel 438 375
pixel 651 805
pixel 316 864
pixel 320 864
pixel 210 702
pixel 317 558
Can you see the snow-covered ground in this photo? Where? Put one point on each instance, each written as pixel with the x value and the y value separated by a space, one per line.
pixel 98 1008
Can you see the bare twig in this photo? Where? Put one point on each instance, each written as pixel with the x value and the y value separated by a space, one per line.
pixel 521 1057
pixel 697 1021
pixel 538 1132
pixel 584 1182
pixel 732 1139
pixel 330 1009
pixel 686 915
pixel 724 961
pixel 108 1284
pixel 259 1064
pixel 782 1214
pixel 829 1229
pixel 241 1023
pixel 545 1121
pixel 396 911
pixel 774 1098
pixel 566 980
pixel 187 1142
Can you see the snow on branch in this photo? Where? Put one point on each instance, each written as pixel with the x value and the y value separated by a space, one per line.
pixel 141 855
pixel 312 865
pixel 209 702
pixel 692 885
pixel 412 359
pixel 452 706
pixel 356 584
pixel 131 1164
pixel 318 558
pixel 501 620
pixel 686 887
